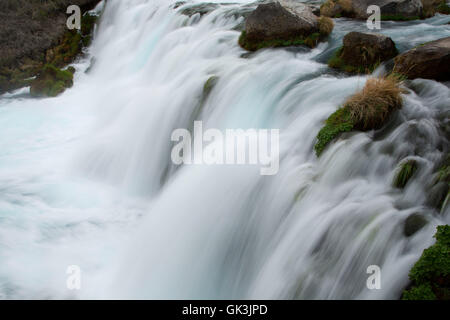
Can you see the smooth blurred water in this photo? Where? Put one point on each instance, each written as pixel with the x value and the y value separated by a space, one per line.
pixel 86 178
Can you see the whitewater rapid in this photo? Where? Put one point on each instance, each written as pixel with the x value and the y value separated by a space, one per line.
pixel 86 178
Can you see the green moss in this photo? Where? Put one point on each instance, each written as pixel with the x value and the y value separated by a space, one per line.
pixel 443 176
pixel 73 42
pixel 209 85
pixel 310 41
pixel 51 81
pixel 430 275
pixel 339 122
pixel 405 173
pixel 393 17
pixel 421 292
pixel 87 24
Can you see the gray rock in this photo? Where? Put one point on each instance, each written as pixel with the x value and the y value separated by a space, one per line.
pixel 428 61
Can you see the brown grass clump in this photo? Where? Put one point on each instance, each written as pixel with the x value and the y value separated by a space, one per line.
pixel 371 107
pixel 429 7
pixel 326 26
pixel 326 9
pixel 336 8
pixel 346 5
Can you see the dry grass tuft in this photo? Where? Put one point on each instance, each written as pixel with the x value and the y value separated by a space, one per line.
pixel 370 108
pixel 336 8
pixel 346 5
pixel 429 7
pixel 327 8
pixel 326 26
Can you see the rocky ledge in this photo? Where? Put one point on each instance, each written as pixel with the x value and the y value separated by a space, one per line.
pixel 33 33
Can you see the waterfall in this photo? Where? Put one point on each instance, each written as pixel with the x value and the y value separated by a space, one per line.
pixel 86 178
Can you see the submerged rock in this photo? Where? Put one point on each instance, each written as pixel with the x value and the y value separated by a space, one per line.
pixel 283 23
pixel 363 52
pixel 413 223
pixel 429 61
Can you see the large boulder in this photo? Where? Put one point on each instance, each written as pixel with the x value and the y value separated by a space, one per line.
pixel 428 61
pixel 362 52
pixel 282 23
pixel 390 9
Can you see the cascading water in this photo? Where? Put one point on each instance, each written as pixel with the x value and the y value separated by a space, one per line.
pixel 86 178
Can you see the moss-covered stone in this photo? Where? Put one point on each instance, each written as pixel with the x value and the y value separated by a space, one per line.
pixel 439 194
pixel 339 122
pixel 209 85
pixel 405 173
pixel 336 62
pixel 51 81
pixel 363 52
pixel 72 43
pixel 70 46
pixel 30 32
pixel 430 275
pixel 367 109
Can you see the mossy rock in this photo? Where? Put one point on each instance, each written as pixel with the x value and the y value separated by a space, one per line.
pixel 405 173
pixel 51 82
pixel 439 192
pixel 430 275
pixel 209 85
pixel 363 52
pixel 368 109
pixel 339 122
pixel 336 62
